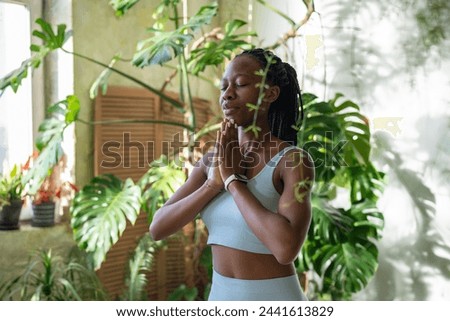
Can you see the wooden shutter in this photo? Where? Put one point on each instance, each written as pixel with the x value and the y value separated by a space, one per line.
pixel 125 150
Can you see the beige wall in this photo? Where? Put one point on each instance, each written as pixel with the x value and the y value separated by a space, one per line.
pixel 99 34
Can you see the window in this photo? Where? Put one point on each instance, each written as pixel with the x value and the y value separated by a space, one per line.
pixel 16 109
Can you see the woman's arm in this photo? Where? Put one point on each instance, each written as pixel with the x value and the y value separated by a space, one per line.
pixel 185 203
pixel 284 232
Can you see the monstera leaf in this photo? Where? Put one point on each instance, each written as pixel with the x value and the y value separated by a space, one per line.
pixel 336 135
pixel 162 47
pixel 159 183
pixel 166 45
pixel 100 212
pixel 341 248
pixel 49 140
pixel 122 6
pixel 213 52
pixel 347 267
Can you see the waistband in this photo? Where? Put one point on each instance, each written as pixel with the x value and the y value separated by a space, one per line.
pixel 264 285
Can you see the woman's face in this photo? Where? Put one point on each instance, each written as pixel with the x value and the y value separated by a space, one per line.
pixel 239 87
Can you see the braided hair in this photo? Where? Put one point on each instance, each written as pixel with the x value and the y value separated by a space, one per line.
pixel 283 112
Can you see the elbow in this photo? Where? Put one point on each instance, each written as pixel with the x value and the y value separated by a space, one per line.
pixel 155 232
pixel 287 254
pixel 286 259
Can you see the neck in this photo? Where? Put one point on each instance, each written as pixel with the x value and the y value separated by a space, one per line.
pixel 248 140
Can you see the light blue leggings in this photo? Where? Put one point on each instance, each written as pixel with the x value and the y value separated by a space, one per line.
pixel 278 289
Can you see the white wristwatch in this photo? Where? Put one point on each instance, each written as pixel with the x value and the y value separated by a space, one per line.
pixel 235 177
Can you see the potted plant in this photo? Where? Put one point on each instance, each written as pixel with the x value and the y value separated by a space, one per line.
pixel 11 199
pixel 44 205
pixel 45 200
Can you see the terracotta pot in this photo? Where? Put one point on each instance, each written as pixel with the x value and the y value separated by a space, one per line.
pixel 43 215
pixel 9 216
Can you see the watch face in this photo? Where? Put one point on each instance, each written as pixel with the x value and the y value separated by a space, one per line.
pixel 241 177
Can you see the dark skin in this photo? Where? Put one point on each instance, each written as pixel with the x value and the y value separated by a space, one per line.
pixel 283 232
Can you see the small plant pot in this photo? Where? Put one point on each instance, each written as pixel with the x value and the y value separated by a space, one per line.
pixel 43 215
pixel 9 216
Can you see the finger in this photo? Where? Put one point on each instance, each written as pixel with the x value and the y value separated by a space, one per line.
pixel 216 147
pixel 220 147
pixel 223 126
pixel 233 131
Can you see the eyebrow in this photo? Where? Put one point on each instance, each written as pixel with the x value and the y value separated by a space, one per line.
pixel 239 74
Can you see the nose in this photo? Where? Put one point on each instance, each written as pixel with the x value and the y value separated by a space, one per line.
pixel 229 93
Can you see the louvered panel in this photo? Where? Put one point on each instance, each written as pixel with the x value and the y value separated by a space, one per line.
pixel 125 150
pixel 113 270
pixel 173 136
pixel 168 270
pixel 205 117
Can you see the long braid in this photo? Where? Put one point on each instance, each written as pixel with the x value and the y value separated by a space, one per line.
pixel 283 112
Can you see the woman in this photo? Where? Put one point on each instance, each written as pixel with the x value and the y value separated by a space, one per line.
pixel 253 191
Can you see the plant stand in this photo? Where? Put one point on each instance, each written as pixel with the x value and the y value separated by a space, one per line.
pixel 9 216
pixel 43 215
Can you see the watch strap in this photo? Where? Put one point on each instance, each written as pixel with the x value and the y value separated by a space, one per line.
pixel 234 177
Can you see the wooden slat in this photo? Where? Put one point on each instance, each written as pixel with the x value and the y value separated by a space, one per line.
pixel 125 150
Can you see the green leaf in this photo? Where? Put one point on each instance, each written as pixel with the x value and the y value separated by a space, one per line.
pixel 73 108
pixel 202 17
pixel 182 292
pixel 329 224
pixel 139 264
pixel 122 6
pixel 365 182
pixel 166 45
pixel 47 277
pixel 162 47
pixel 49 141
pixel 100 212
pixel 43 164
pixel 102 79
pixel 340 246
pixel 214 52
pixel 50 42
pixel 232 25
pixel 159 183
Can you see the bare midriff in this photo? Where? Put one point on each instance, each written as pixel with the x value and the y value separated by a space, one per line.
pixel 239 264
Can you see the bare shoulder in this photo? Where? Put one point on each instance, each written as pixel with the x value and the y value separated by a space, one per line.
pixel 297 164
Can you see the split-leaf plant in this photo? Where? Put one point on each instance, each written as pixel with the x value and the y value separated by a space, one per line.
pixel 340 249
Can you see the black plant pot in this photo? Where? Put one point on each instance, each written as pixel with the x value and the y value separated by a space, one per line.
pixel 43 215
pixel 9 216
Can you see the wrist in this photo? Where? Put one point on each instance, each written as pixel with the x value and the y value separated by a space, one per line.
pixel 235 177
pixel 235 184
pixel 213 187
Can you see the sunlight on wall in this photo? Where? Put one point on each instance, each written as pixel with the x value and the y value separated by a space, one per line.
pixel 408 111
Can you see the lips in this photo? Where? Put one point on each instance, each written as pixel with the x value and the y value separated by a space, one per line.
pixel 230 111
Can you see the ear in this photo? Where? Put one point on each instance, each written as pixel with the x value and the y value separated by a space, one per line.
pixel 272 94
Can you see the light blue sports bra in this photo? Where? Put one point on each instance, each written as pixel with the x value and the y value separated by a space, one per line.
pixel 225 223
